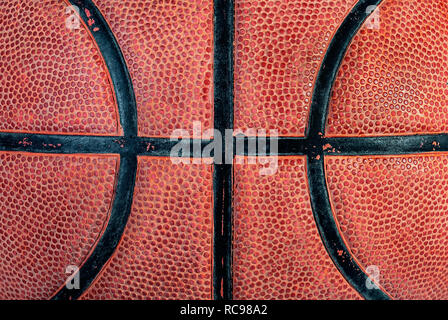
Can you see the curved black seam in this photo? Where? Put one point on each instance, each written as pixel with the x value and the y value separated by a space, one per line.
pixel 124 192
pixel 115 62
pixel 331 64
pixel 330 234
pixel 109 241
pixel 320 201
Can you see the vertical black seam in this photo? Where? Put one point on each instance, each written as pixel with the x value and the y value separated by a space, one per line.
pixel 223 172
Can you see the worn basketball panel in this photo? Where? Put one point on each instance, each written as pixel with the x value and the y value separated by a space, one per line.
pixel 168 47
pixel 279 47
pixel 166 249
pixel 53 210
pixel 52 77
pixel 392 213
pixel 393 79
pixel 277 251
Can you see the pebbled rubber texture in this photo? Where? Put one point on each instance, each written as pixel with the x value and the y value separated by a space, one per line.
pixel 168 47
pixel 53 210
pixel 279 46
pixel 52 79
pixel 393 79
pixel 277 250
pixel 392 211
pixel 166 250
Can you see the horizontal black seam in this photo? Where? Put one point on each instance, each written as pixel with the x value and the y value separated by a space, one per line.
pixel 72 144
pixel 162 147
pixel 381 145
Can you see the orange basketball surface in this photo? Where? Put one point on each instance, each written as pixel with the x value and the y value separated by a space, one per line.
pixel 166 250
pixel 54 208
pixel 278 253
pixel 53 79
pixel 354 92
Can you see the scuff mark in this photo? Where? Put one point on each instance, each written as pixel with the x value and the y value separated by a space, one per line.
pixel 91 21
pixel 50 145
pixel 25 142
pixel 149 146
pixel 436 145
pixel 120 142
pixel 330 148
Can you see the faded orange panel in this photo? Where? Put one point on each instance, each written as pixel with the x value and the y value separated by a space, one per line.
pixel 279 46
pixel 393 214
pixel 277 251
pixel 52 78
pixel 166 249
pixel 53 211
pixel 168 46
pixel 393 79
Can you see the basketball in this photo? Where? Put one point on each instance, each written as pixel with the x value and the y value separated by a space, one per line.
pixel 223 150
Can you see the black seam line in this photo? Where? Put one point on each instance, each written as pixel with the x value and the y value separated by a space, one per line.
pixel 115 62
pixel 187 148
pixel 356 146
pixel 223 173
pixel 124 191
pixel 330 66
pixel 109 241
pixel 330 234
pixel 387 145
pixel 320 201
pixel 70 144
